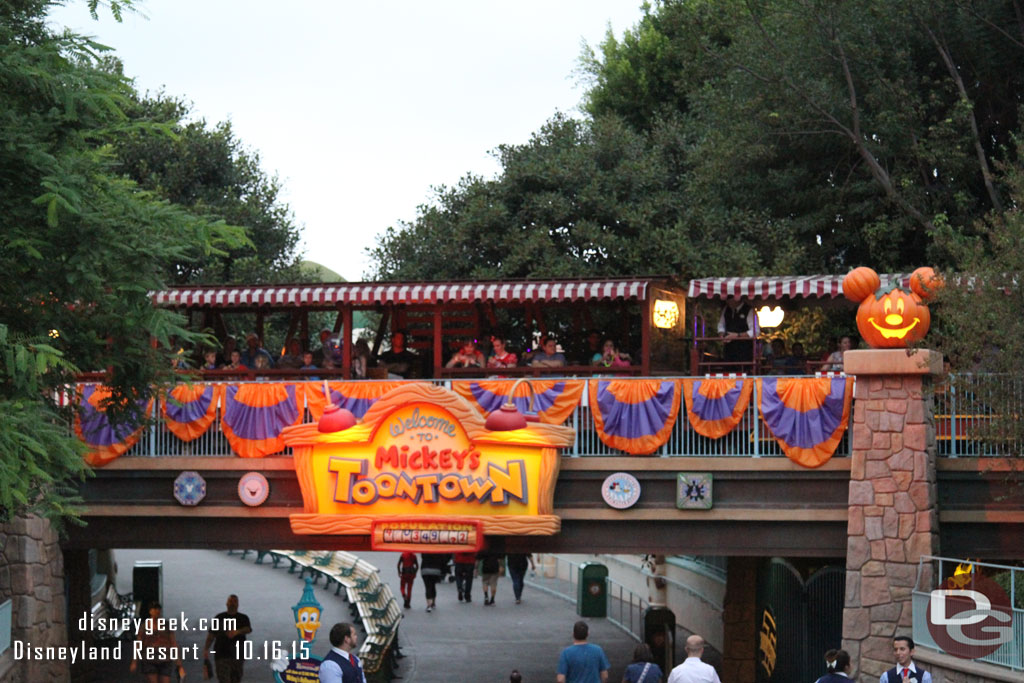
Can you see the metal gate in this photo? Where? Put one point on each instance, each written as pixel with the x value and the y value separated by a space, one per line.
pixel 798 621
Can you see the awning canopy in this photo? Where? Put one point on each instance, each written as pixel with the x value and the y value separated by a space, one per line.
pixel 328 295
pixel 780 287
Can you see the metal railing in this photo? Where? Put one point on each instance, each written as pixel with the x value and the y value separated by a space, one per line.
pixel 6 611
pixel 626 609
pixel 969 410
pixel 750 438
pixel 556 576
pixel 1011 579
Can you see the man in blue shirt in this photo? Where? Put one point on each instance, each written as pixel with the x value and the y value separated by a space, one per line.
pixel 582 662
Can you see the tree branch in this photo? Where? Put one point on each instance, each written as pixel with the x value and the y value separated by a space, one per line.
pixel 954 73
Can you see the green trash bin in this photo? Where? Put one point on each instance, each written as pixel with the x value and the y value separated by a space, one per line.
pixel 592 590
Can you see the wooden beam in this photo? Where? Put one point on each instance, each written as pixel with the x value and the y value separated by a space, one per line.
pixel 438 360
pixel 645 338
pixel 379 337
pixel 806 516
pixel 346 343
pixel 687 464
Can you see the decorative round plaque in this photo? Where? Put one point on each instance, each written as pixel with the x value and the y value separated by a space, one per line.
pixel 189 488
pixel 620 490
pixel 253 489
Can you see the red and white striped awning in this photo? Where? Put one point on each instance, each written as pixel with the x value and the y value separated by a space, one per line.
pixel 367 293
pixel 780 287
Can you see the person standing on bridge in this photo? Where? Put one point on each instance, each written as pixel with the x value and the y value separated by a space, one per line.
pixel 228 637
pixel 582 662
pixel 693 670
pixel 408 565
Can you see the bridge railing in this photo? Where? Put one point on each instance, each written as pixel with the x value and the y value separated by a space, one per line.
pixel 750 438
pixel 968 415
pixel 1010 654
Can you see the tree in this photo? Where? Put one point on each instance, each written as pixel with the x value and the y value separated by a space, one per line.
pixel 853 126
pixel 80 248
pixel 579 199
pixel 209 171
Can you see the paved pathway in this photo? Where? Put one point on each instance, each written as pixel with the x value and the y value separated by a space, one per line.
pixel 457 642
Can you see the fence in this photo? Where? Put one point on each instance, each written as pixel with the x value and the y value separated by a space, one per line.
pixel 1011 653
pixel 5 626
pixel 750 438
pixel 626 609
pixel 969 410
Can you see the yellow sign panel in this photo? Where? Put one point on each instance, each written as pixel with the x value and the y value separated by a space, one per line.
pixel 423 452
pixel 421 461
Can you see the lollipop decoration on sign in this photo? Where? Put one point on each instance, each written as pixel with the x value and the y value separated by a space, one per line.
pixel 893 317
pixel 335 418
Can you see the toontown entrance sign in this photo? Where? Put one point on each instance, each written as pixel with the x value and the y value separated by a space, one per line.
pixel 423 472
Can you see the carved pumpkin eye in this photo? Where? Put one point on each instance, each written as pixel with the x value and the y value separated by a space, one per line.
pixel 899 305
pixel 887 305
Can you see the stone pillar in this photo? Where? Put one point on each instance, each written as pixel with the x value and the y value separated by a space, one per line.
pixel 32 577
pixel 893 519
pixel 739 650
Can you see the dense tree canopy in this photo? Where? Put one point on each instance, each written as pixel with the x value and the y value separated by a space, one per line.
pixel 209 171
pixel 80 247
pixel 740 136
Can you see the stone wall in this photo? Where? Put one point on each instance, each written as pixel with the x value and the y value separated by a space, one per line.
pixel 948 669
pixel 893 519
pixel 32 576
pixel 739 621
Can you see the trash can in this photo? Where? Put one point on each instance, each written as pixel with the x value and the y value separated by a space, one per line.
pixel 148 583
pixel 660 635
pixel 592 590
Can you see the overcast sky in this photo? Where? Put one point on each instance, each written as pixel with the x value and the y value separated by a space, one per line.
pixel 361 107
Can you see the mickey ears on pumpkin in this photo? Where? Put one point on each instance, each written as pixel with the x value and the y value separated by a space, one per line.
pixel 924 282
pixel 860 283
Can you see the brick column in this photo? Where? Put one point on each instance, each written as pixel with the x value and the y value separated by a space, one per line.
pixel 893 519
pixel 739 621
pixel 32 576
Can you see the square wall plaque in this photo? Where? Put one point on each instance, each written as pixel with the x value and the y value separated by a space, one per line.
pixel 694 491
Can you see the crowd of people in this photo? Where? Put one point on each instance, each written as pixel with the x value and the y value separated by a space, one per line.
pixel 399 361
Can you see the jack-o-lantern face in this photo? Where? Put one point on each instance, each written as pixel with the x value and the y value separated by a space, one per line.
pixel 888 319
pixel 894 319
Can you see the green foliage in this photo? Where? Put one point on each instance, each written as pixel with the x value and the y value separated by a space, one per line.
pixel 209 171
pixel 80 248
pixel 37 459
pixel 980 320
pixel 749 136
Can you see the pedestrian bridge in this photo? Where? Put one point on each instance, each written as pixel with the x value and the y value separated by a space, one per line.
pixel 763 503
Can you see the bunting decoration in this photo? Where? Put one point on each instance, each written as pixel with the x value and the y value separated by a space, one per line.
pixel 806 415
pixel 555 402
pixel 255 414
pixel 716 406
pixel 105 441
pixel 354 396
pixel 635 415
pixel 190 409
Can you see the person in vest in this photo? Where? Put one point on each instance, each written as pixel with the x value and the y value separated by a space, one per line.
pixel 341 665
pixel 839 668
pixel 736 327
pixel 905 669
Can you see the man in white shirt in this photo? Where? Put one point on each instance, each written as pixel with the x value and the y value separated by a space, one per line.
pixel 905 670
pixel 341 664
pixel 693 670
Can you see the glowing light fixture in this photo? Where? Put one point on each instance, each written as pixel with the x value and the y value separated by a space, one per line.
pixel 54 334
pixel 666 314
pixel 770 317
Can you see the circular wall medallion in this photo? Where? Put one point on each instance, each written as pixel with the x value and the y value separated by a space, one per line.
pixel 253 488
pixel 189 488
pixel 620 490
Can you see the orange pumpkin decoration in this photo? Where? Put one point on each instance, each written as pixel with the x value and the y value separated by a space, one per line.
pixel 860 283
pixel 924 282
pixel 894 318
